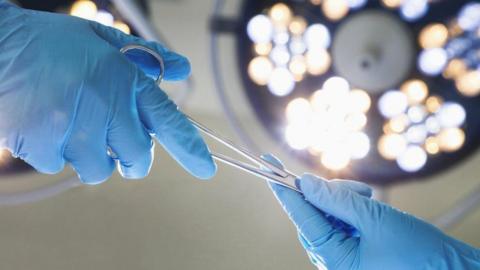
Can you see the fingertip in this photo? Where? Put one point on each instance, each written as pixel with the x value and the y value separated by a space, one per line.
pixel 177 67
pixel 205 169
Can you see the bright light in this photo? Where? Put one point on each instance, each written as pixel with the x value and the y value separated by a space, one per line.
pixel 433 104
pixel 281 82
pixel 455 68
pixel 392 3
pixel 260 29
pixel 280 55
pixel 432 61
pixel 263 48
pixel 431 145
pixel 359 145
pixel 469 83
pixel 298 67
pixel 433 125
pixel 359 101
pixel 417 134
pixel 104 18
pixel 84 9
pixel 469 17
pixel 298 111
pixel 337 84
pixel 413 159
pixel 317 37
pixel 122 27
pixel 281 14
pixel 433 36
pixel 392 103
pixel 298 26
pixel 297 136
pixel 413 10
pixel 356 4
pixel 297 46
pixel 390 146
pixel 398 124
pixel 335 9
pixel 260 69
pixel 318 62
pixel 451 139
pixel 451 115
pixel 281 38
pixel 336 158
pixel 416 91
pixel 355 121
pixel 417 114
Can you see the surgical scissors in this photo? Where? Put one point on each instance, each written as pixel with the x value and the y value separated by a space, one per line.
pixel 265 169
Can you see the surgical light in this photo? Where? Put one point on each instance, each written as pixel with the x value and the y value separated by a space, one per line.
pixel 84 9
pixel 354 103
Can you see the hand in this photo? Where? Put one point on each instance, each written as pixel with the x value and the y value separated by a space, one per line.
pixel 386 238
pixel 68 94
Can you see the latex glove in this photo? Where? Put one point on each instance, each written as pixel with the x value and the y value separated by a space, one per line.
pixel 67 94
pixel 386 238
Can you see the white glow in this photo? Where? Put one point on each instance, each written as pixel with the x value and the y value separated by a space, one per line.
pixel 359 101
pixel 260 29
pixel 281 82
pixel 359 145
pixel 280 55
pixel 451 115
pixel 417 134
pixel 299 111
pixel 281 38
pixel 391 146
pixel 104 18
pixel 392 103
pixel 413 10
pixel 355 4
pixel 469 17
pixel 432 61
pixel 337 84
pixel 417 114
pixel 297 136
pixel 317 37
pixel 260 69
pixel 336 91
pixel 297 46
pixel 84 9
pixel 433 125
pixel 336 158
pixel 413 159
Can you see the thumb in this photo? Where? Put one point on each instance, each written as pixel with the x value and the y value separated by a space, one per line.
pixel 177 67
pixel 339 201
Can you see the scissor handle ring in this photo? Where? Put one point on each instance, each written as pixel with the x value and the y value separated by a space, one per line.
pixel 152 53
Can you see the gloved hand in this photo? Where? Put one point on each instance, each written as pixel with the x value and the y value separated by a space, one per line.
pixel 386 238
pixel 67 94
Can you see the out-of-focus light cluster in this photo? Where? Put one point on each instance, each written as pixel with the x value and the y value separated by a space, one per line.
pixel 286 49
pixel 88 10
pixel 418 125
pixel 410 10
pixel 335 10
pixel 330 124
pixel 453 50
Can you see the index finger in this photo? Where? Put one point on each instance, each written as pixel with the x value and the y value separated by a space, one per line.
pixel 172 129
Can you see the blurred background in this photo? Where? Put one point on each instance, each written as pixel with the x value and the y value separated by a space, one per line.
pixel 385 92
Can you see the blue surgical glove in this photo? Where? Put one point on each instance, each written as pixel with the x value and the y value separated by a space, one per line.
pixel 386 238
pixel 68 95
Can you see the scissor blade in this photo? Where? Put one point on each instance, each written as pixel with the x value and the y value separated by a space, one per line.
pixel 239 150
pixel 288 181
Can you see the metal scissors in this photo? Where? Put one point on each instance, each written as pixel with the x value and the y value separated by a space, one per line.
pixel 264 169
